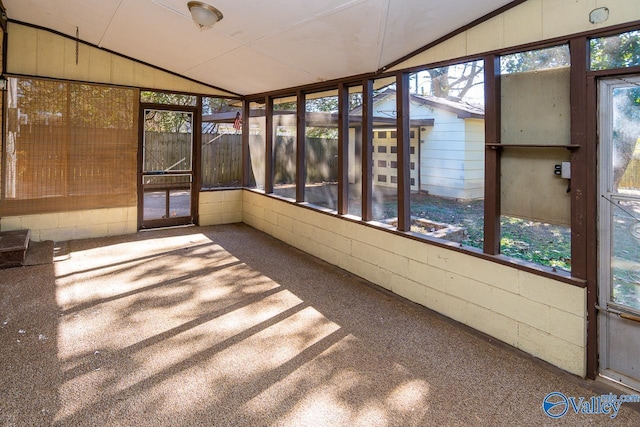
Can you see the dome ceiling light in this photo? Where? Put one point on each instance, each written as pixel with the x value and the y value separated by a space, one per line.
pixel 204 15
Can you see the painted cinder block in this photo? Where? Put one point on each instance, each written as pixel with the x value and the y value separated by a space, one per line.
pixel 271 217
pixel 233 195
pixel 504 277
pixel 557 294
pixel 409 289
pixel 380 257
pixel 285 222
pixel 445 304
pixel 72 219
pixel 324 238
pixel 555 350
pixel 231 217
pixel 41 222
pixel 206 197
pixel 492 323
pixel 117 229
pixel 55 234
pixel 568 327
pixel 116 215
pixel 469 290
pixel 209 219
pixel 89 231
pixel 9 223
pixel 521 309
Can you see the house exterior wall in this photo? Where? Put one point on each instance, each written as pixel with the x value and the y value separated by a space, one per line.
pixel 541 316
pixel 41 53
pixel 529 22
pixel 452 156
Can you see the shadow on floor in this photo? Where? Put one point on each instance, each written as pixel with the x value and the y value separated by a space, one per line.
pixel 228 326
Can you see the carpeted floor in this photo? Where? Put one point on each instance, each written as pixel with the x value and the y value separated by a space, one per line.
pixel 226 326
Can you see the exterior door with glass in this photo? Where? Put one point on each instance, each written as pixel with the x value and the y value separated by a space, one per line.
pixel 619 230
pixel 165 188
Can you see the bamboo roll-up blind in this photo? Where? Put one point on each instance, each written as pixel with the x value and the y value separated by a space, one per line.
pixel 68 146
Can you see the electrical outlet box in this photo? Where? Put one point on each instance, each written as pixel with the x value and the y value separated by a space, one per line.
pixel 566 170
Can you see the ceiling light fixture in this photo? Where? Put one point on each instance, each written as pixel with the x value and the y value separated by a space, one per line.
pixel 203 14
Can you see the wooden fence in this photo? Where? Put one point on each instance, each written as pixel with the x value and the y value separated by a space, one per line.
pixel 221 160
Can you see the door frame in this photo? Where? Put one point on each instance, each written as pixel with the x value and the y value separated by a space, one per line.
pixel 195 166
pixel 606 309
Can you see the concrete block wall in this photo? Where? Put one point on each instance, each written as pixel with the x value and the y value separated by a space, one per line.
pixel 541 316
pixel 220 207
pixel 84 224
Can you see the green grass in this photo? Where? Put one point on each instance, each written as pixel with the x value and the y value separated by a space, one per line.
pixel 537 242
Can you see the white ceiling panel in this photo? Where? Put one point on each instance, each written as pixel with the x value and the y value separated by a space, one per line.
pixel 165 38
pixel 251 20
pixel 247 71
pixel 356 50
pixel 259 45
pixel 409 20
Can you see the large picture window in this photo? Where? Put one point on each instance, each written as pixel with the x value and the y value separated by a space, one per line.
pixel 321 149
pixel 284 146
pixel 221 143
pixel 536 128
pixel 447 152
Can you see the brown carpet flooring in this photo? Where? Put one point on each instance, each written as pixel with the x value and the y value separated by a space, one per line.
pixel 226 326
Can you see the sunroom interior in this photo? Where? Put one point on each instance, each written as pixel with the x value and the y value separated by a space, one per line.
pixel 488 170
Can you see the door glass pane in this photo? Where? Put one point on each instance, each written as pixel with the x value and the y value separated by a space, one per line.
pixel 167 141
pixel 625 256
pixel 167 196
pixel 626 140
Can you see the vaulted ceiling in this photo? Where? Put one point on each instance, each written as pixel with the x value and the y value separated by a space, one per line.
pixel 260 45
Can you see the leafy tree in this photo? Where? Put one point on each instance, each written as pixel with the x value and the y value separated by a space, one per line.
pixel 615 52
pixel 620 51
pixel 626 130
pixel 533 60
pixel 455 81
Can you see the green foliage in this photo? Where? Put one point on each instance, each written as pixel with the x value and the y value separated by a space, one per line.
pixel 211 105
pixel 81 105
pixel 167 98
pixel 617 51
pixel 167 121
pixel 532 60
